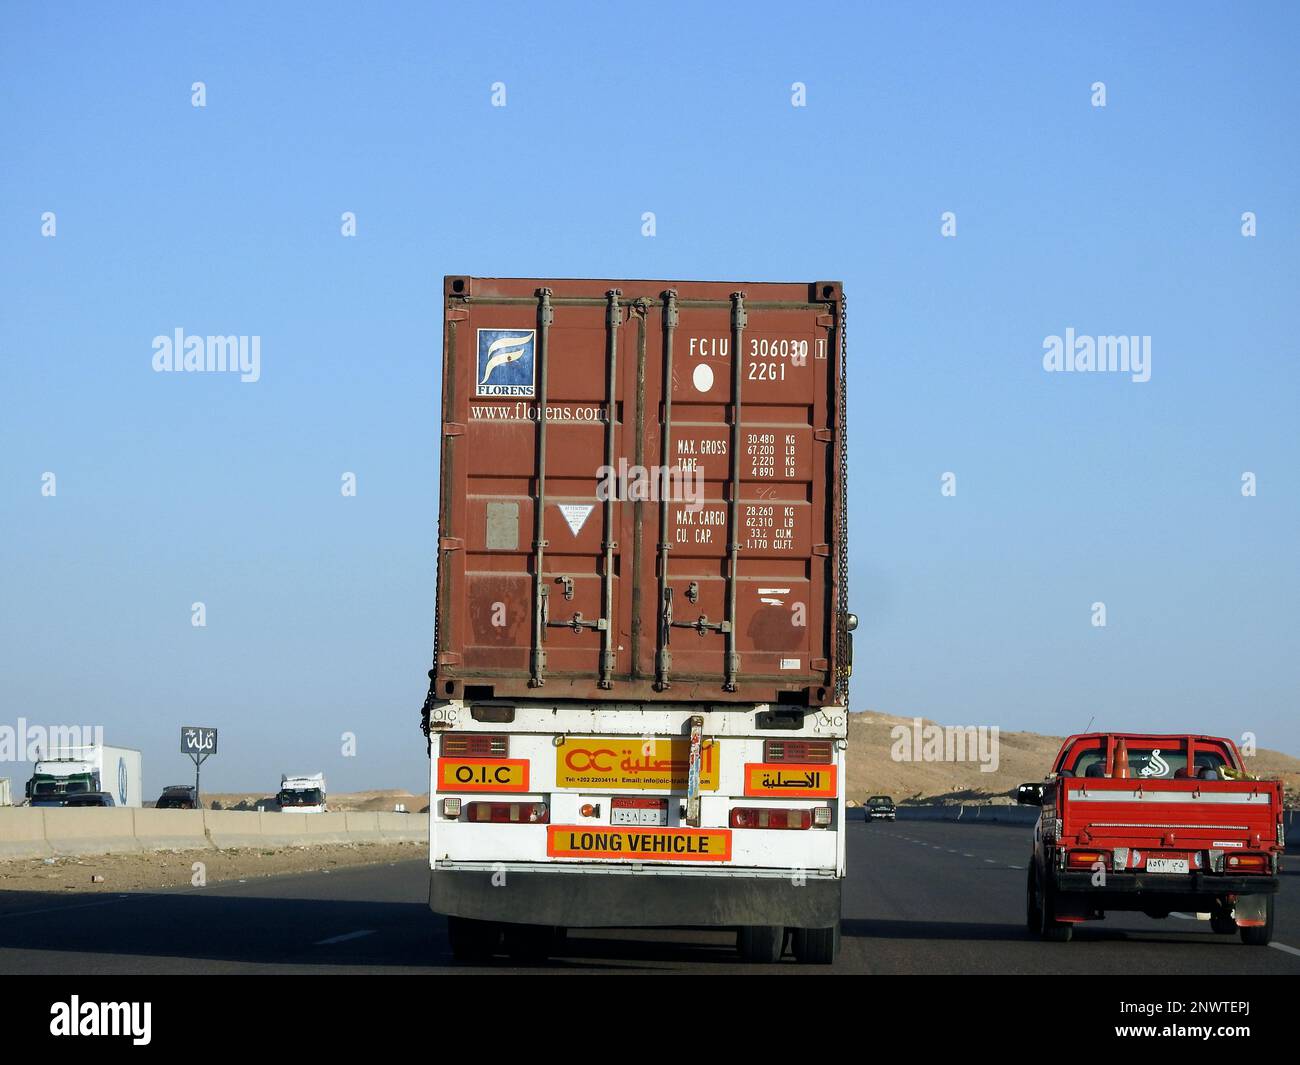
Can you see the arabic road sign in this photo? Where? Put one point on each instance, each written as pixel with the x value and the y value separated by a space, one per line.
pixel 196 740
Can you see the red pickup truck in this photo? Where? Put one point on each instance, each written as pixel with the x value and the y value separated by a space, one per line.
pixel 1156 824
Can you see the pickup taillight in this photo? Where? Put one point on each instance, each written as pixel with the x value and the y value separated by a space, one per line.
pixel 1246 863
pixel 1086 859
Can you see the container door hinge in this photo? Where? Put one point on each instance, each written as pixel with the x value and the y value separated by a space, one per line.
pixel 453 429
pixel 821 549
pixel 448 658
pixel 458 314
pixel 824 436
pixel 451 543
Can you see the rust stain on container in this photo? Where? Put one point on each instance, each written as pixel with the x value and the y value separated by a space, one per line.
pixel 640 491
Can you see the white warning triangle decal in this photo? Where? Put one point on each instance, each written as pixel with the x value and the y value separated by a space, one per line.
pixel 576 514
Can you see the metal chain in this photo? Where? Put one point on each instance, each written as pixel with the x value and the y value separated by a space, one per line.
pixel 842 518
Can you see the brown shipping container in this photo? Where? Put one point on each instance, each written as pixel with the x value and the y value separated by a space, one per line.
pixel 642 492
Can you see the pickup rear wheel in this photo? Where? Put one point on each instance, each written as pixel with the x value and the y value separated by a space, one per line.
pixel 1222 921
pixel 1042 909
pixel 1259 935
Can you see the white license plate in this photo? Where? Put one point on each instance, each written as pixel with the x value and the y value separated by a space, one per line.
pixel 1166 865
pixel 655 816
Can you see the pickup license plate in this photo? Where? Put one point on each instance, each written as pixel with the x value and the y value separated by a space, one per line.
pixel 1166 865
pixel 638 812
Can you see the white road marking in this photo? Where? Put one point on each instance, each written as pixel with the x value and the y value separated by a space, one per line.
pixel 1283 946
pixel 990 861
pixel 344 938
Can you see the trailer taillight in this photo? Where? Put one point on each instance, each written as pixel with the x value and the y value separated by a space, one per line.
pixel 508 813
pixel 473 745
pixel 807 751
pixel 770 817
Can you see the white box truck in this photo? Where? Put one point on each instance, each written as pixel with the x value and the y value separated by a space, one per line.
pixel 65 771
pixel 302 795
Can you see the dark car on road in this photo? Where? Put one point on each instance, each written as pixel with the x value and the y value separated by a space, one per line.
pixel 178 797
pixel 881 808
pixel 89 798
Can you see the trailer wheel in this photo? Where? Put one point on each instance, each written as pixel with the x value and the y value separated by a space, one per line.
pixel 761 944
pixel 1222 921
pixel 816 946
pixel 1259 935
pixel 471 940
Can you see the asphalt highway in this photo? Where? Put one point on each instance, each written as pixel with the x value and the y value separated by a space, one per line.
pixel 922 897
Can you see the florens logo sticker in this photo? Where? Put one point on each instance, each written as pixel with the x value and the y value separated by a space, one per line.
pixel 505 362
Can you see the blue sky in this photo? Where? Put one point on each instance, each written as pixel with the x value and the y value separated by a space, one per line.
pixel 976 609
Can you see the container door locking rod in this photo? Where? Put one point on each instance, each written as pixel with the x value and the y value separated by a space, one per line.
pixel 545 315
pixel 663 656
pixel 738 320
pixel 613 318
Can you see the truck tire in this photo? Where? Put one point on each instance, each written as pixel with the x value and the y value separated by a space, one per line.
pixel 472 941
pixel 1259 935
pixel 1042 907
pixel 816 946
pixel 761 944
pixel 1222 921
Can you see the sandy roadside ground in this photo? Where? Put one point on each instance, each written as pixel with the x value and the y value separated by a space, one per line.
pixel 170 869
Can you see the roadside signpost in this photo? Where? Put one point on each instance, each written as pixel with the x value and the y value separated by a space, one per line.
pixel 200 744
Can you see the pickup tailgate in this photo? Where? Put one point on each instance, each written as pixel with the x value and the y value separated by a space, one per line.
pixel 1184 814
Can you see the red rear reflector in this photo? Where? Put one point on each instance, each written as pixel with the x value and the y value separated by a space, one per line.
pixel 811 751
pixel 770 817
pixel 508 813
pixel 473 745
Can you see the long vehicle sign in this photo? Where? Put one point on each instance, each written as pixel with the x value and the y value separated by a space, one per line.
pixel 643 844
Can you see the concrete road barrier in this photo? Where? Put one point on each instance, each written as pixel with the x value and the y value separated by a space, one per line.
pixel 27 832
pixel 22 833
pixel 990 815
pixel 157 830
pixel 88 830
pixel 363 826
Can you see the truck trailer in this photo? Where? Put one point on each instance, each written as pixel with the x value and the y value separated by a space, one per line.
pixel 68 771
pixel 637 712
